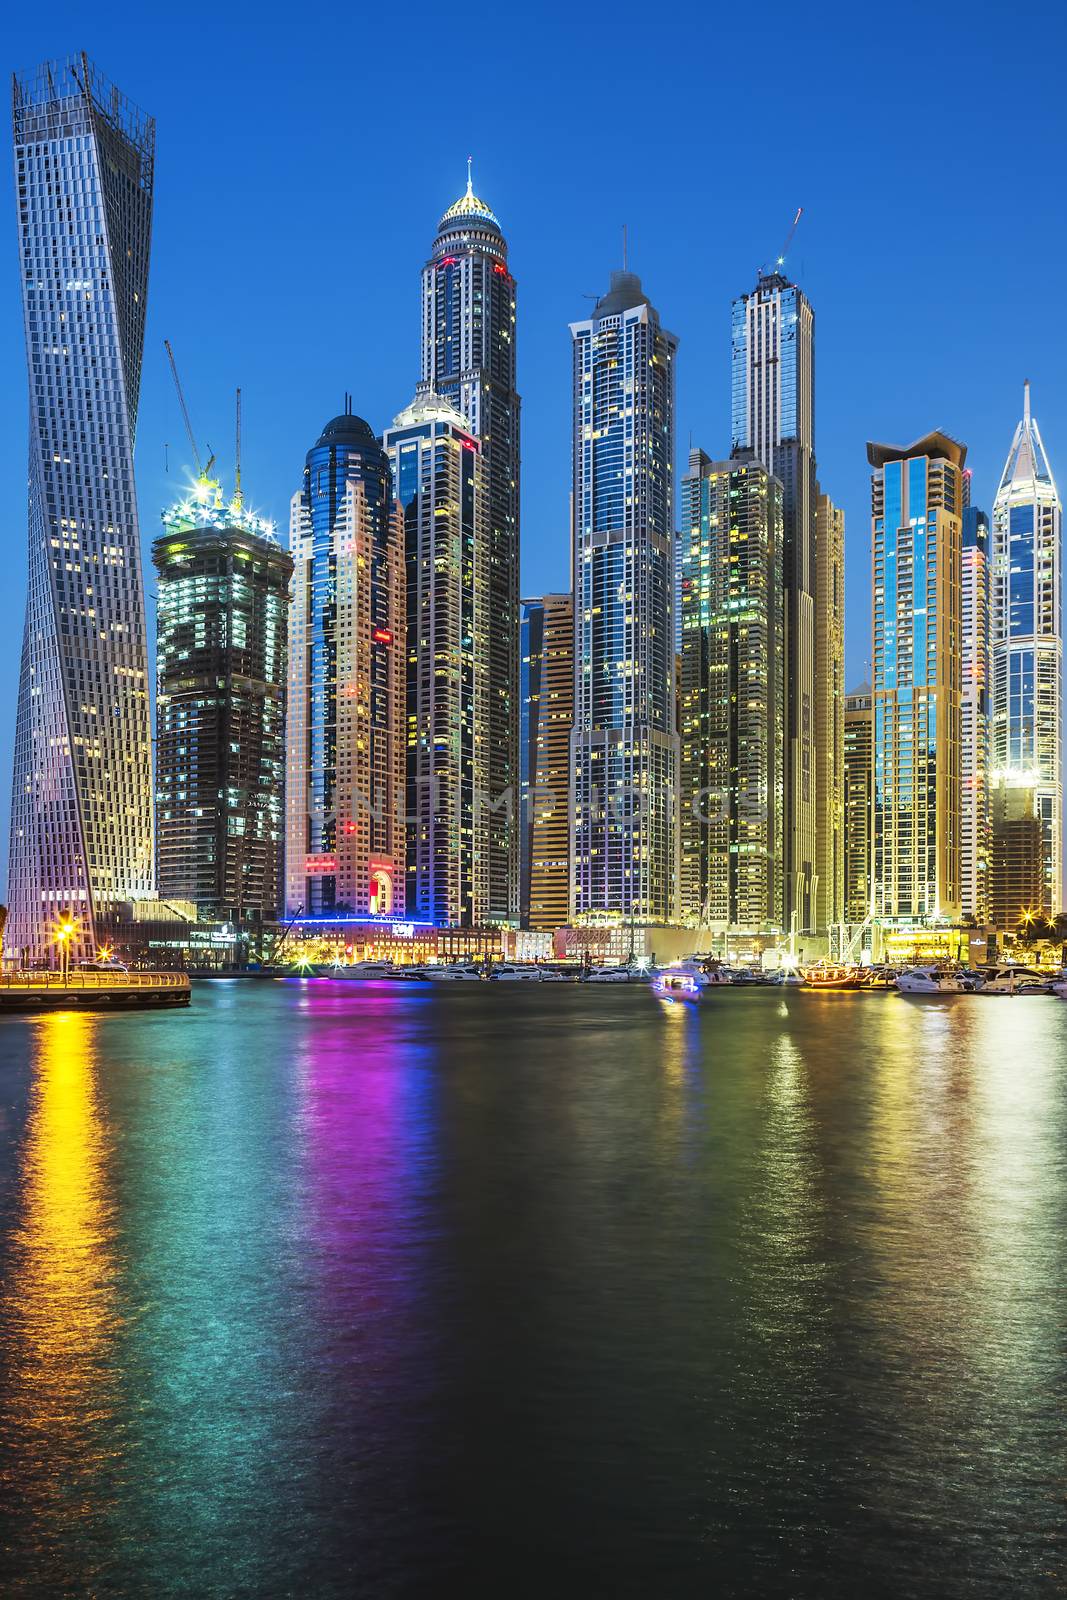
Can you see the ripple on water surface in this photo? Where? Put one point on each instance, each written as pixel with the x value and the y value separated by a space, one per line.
pixel 384 1289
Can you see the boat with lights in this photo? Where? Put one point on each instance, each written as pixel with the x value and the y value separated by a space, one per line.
pixel 825 975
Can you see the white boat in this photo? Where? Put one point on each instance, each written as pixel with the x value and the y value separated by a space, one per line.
pixel 930 980
pixel 607 975
pixel 363 969
pixel 453 972
pixel 675 983
pixel 505 972
pixel 1012 980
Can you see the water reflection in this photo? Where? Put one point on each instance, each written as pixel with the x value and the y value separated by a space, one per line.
pixel 61 1311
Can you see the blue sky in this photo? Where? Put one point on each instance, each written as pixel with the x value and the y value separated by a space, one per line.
pixel 304 157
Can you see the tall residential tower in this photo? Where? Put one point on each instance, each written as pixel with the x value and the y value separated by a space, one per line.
pixel 468 357
pixel 974 711
pixel 731 693
pixel 223 585
pixel 916 521
pixel 1027 639
pixel 773 413
pixel 624 748
pixel 439 478
pixel 81 814
pixel 346 721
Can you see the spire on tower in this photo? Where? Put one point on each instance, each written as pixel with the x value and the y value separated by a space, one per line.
pixel 470 179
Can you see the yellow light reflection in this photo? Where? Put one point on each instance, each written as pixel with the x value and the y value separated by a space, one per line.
pixel 61 1292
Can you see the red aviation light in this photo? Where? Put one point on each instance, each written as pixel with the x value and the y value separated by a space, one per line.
pixel 470 444
pixel 382 636
pixel 500 271
pixel 447 261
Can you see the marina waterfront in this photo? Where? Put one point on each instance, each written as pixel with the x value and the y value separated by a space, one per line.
pixel 395 1289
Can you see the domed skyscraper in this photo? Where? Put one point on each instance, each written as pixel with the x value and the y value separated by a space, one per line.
pixel 346 717
pixel 468 358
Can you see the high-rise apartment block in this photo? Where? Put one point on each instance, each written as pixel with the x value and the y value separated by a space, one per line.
pixel 624 745
pixel 974 717
pixel 346 715
pixel 731 695
pixel 549 801
pixel 773 414
pixel 222 620
pixel 531 657
pixel 468 357
pixel 829 713
pixel 81 815
pixel 916 517
pixel 439 479
pixel 858 802
pixel 1027 639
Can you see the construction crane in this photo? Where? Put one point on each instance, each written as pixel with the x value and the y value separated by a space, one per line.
pixel 203 473
pixel 780 260
pixel 238 497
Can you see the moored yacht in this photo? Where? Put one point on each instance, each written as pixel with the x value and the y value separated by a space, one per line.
pixel 931 980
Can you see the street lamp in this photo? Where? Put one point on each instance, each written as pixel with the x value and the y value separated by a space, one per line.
pixel 65 931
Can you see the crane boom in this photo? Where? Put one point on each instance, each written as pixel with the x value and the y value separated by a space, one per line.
pixel 789 237
pixel 238 496
pixel 185 408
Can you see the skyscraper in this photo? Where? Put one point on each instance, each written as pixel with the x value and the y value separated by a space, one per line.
pixel 345 731
pixel 624 745
pixel 858 802
pixel 829 712
pixel 439 478
pixel 223 585
pixel 773 410
pixel 468 357
pixel 531 662
pixel 974 715
pixel 550 817
pixel 81 814
pixel 1027 638
pixel 731 694
pixel 916 518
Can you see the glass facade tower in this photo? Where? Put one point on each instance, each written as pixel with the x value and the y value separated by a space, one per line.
pixel 1027 639
pixel 345 743
pixel 917 497
pixel 975 719
pixel 624 747
pixel 81 816
pixel 223 585
pixel 549 799
pixel 829 713
pixel 773 414
pixel 731 695
pixel 468 357
pixel 439 478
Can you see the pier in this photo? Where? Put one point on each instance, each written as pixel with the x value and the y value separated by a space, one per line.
pixel 92 991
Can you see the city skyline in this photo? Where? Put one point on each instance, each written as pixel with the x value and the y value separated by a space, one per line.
pixel 517 185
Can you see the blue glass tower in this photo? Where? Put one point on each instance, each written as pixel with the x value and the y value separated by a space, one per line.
pixel 81 816
pixel 344 794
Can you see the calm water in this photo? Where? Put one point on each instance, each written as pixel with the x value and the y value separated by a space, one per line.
pixel 333 1290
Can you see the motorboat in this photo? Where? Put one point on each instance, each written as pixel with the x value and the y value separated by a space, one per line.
pixel 1009 979
pixel 454 972
pixel 607 975
pixel 932 980
pixel 558 975
pixel 359 969
pixel 507 972
pixel 828 976
pixel 675 983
